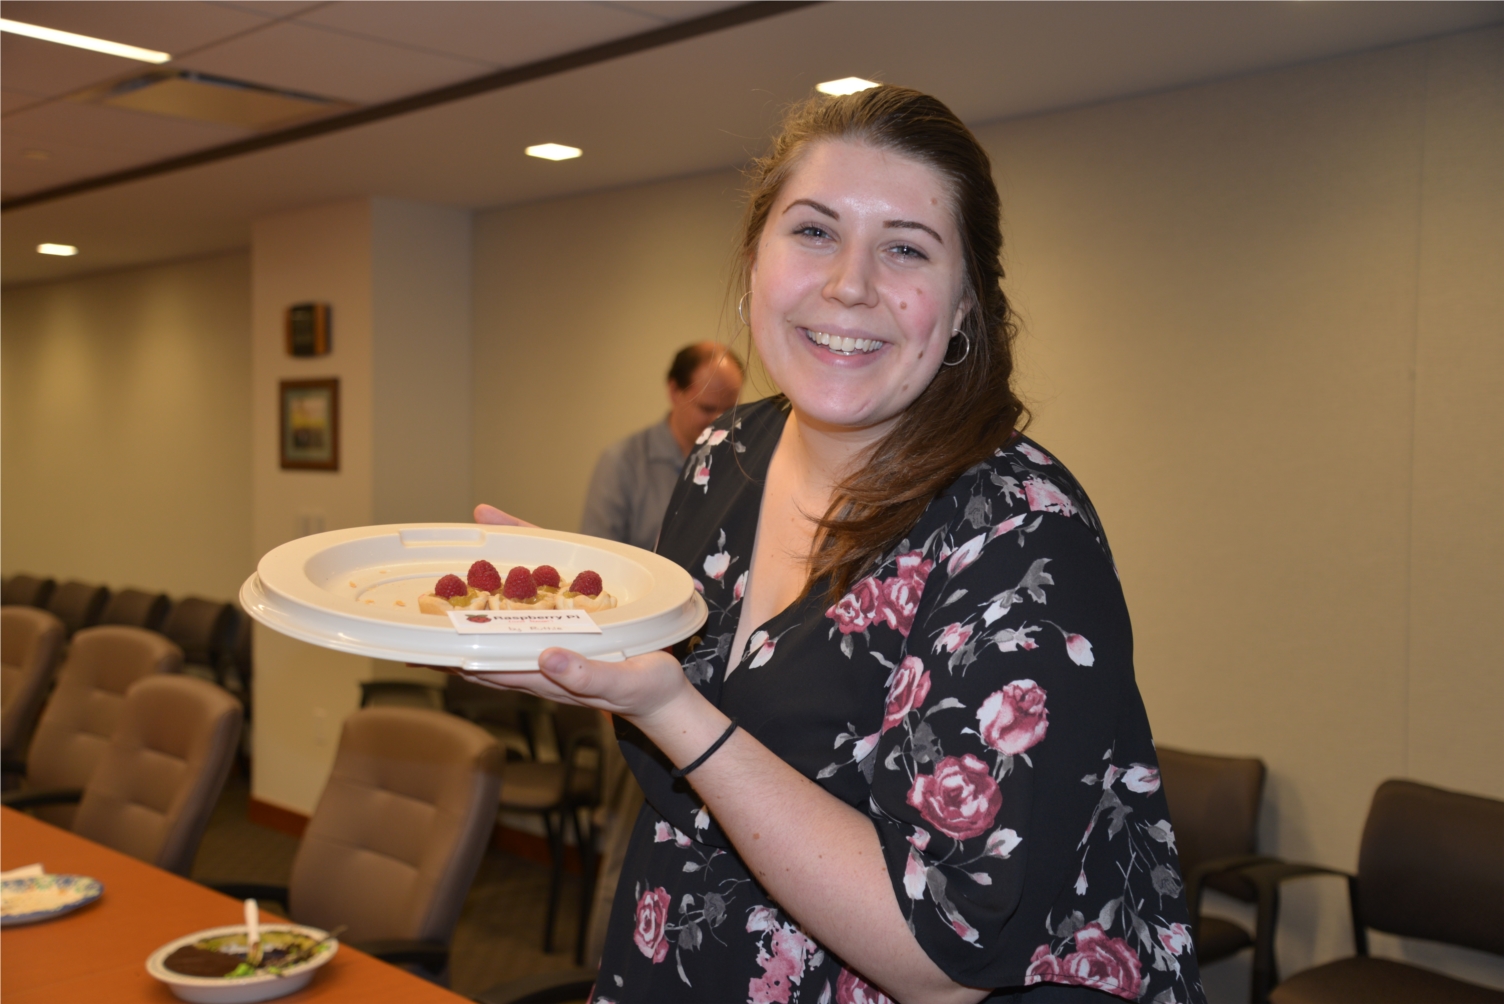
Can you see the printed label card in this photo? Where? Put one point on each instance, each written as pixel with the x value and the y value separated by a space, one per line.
pixel 523 622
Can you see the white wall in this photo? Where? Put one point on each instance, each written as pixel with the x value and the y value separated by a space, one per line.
pixel 126 428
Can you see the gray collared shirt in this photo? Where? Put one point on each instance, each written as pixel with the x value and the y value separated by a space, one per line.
pixel 630 488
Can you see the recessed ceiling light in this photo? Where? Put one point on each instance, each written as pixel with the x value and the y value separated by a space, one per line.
pixel 846 85
pixel 83 41
pixel 553 151
pixel 61 250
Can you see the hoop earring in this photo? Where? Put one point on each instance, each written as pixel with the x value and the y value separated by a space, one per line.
pixel 957 362
pixel 739 315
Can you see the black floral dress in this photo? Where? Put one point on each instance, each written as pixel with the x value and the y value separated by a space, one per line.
pixel 974 696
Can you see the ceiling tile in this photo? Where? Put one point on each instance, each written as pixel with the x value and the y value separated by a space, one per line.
pixel 96 127
pixel 330 64
pixel 37 67
pixel 270 8
pixel 10 100
pixel 500 34
pixel 173 26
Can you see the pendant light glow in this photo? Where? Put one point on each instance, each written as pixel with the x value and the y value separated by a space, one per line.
pixel 553 151
pixel 83 41
pixel 846 85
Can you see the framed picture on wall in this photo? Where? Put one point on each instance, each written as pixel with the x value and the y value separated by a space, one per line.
pixel 310 424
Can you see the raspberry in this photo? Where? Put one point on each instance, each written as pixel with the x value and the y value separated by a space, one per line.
pixel 450 586
pixel 586 583
pixel 483 575
pixel 520 585
pixel 546 575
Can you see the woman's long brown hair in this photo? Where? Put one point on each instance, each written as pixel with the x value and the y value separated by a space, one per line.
pixel 968 410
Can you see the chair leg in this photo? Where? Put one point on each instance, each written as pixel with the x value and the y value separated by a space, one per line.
pixel 556 876
pixel 585 838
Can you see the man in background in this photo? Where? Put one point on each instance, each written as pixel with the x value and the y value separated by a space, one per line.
pixel 634 478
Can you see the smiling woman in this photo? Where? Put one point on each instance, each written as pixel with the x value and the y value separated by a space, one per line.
pixel 932 778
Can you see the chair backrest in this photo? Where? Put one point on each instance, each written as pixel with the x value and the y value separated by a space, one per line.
pixel 203 629
pixel 78 605
pixel 30 640
pixel 163 770
pixel 1214 808
pixel 399 831
pixel 80 718
pixel 27 591
pixel 136 608
pixel 1431 865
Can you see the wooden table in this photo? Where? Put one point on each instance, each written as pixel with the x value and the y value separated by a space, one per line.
pixel 98 954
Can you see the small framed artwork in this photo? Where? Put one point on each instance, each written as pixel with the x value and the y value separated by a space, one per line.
pixel 310 424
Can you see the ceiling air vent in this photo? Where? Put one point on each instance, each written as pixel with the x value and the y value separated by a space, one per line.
pixel 189 95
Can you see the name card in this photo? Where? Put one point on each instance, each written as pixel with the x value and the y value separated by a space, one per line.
pixel 523 622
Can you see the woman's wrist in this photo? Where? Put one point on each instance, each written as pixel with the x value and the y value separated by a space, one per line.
pixel 684 727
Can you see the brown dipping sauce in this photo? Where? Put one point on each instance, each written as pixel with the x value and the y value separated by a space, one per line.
pixel 190 960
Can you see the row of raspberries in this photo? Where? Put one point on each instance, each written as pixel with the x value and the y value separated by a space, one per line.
pixel 521 584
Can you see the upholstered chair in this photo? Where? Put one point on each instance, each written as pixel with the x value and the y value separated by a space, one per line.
pixel 30 642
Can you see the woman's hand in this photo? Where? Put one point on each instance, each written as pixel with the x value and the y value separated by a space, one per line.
pixel 495 517
pixel 644 689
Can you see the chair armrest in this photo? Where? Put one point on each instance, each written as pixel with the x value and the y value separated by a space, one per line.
pixel 543 988
pixel 1195 879
pixel 431 955
pixel 259 891
pixel 36 799
pixel 1267 877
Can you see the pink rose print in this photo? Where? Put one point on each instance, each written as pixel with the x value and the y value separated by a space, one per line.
pixel 1043 496
pixel 761 646
pixel 1044 967
pixel 740 589
pixel 1014 718
pixel 852 989
pixel 863 746
pixel 1001 843
pixel 652 915
pixel 1104 963
pixel 858 608
pixel 966 554
pixel 1079 649
pixel 913 877
pixel 716 564
pixel 1036 456
pixel 900 594
pixel 702 475
pixel 953 637
pixel 921 838
pixel 719 436
pixel 1175 938
pixel 907 689
pixel 1081 883
pixel 1141 779
pixel 699 586
pixel 704 435
pixel 782 968
pixel 662 833
pixel 1006 526
pixel 960 799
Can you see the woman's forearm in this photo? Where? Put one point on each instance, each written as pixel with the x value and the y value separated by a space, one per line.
pixel 818 857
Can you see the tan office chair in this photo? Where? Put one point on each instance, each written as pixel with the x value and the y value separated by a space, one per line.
pixel 397 835
pixel 78 605
pixel 1214 807
pixel 81 716
pixel 564 793
pixel 27 591
pixel 205 631
pixel 159 779
pixel 136 608
pixel 30 642
pixel 1431 865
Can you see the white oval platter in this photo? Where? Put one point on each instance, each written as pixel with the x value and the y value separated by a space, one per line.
pixel 241 989
pixel 357 591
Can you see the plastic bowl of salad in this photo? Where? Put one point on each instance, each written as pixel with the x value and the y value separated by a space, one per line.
pixel 211 966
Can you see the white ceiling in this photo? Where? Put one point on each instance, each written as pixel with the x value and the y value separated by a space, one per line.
pixel 697 105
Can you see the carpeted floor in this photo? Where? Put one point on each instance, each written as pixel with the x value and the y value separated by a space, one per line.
pixel 500 932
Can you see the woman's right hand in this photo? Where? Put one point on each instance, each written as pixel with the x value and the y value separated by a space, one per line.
pixel 495 517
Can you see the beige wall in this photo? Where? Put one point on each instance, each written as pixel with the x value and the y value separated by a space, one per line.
pixel 580 305
pixel 126 424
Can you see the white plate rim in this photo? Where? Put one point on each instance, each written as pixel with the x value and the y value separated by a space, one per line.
pixel 280 596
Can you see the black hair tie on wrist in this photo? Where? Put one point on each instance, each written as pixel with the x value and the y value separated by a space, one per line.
pixel 681 771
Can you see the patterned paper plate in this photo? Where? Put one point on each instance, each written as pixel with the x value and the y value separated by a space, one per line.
pixel 36 898
pixel 357 591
